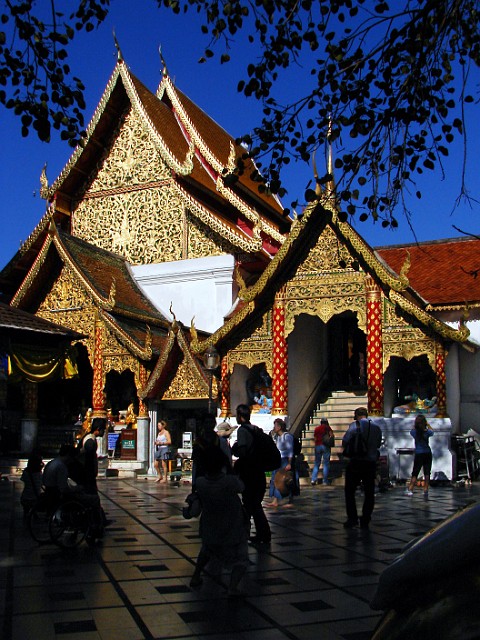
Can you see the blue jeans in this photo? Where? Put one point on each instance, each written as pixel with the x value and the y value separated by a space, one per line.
pixel 321 453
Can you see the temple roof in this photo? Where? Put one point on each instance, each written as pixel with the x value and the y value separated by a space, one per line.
pixel 107 279
pixel 202 157
pixel 13 320
pixel 255 300
pixel 444 272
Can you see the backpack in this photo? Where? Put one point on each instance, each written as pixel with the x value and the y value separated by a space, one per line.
pixel 264 452
pixel 356 445
pixel 297 445
pixel 328 439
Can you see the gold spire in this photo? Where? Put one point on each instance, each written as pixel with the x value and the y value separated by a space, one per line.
pixel 117 47
pixel 162 59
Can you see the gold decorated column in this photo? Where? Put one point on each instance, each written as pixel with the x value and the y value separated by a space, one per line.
pixel 279 357
pixel 142 379
pixel 98 396
pixel 225 389
pixel 374 348
pixel 441 380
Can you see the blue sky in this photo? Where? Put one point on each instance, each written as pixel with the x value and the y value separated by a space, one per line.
pixel 213 87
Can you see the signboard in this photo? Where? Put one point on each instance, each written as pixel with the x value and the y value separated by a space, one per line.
pixel 128 444
pixel 112 441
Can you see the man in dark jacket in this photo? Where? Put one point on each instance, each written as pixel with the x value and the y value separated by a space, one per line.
pixel 361 468
pixel 252 475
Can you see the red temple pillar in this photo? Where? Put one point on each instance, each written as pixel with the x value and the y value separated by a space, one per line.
pixel 224 388
pixel 98 395
pixel 374 348
pixel 279 357
pixel 441 381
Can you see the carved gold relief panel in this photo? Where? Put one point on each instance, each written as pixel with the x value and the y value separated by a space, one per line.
pixel 116 357
pixel 185 385
pixel 143 226
pixel 130 208
pixel 326 255
pixel 68 305
pixel 407 344
pixel 132 160
pixel 256 349
pixel 201 241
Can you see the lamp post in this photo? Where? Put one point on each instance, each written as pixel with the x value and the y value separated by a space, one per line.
pixel 211 360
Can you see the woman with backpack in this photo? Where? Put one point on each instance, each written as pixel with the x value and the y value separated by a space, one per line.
pixel 283 482
pixel 421 432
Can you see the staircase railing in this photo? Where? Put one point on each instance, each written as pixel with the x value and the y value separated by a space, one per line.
pixel 308 406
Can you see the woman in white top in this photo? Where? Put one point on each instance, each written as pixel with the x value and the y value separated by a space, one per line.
pixel 162 443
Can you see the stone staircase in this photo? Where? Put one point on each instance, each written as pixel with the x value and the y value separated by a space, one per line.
pixel 338 409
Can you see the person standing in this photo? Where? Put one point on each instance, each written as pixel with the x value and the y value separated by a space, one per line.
pixel 252 476
pixel 223 526
pixel 322 451
pixel 284 442
pixel 361 467
pixel 421 433
pixel 162 444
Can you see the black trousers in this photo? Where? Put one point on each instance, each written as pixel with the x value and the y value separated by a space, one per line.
pixel 252 497
pixel 360 471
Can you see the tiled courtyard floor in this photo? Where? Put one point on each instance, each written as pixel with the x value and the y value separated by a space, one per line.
pixel 314 582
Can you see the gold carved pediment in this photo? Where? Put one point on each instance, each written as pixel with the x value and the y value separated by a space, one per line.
pixel 187 385
pixel 67 304
pixel 328 254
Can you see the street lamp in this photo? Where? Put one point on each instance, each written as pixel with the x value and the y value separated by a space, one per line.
pixel 211 360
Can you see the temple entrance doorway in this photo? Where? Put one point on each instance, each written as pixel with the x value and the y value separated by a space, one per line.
pixel 414 381
pixel 120 392
pixel 347 349
pixel 60 402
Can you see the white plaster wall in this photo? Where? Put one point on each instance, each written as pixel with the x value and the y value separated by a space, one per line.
pixel 200 287
pixel 396 433
pixel 469 365
pixel 307 359
pixel 452 373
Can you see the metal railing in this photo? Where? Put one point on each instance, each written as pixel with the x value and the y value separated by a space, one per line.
pixel 308 406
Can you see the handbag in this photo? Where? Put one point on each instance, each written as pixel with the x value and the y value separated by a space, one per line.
pixel 194 506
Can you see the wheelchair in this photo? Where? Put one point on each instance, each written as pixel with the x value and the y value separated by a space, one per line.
pixel 72 522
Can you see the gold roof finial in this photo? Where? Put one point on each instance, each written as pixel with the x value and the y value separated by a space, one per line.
pixel 117 47
pixel 162 59
pixel 193 331
pixel 174 324
pixel 331 184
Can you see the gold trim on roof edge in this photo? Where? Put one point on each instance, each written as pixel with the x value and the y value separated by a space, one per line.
pixel 249 213
pixel 44 221
pixel 135 349
pixel 249 294
pixel 152 380
pixel 47 193
pixel 223 230
pixel 215 163
pixel 397 283
pixel 457 335
pixel 199 347
pixel 32 272
pixel 182 168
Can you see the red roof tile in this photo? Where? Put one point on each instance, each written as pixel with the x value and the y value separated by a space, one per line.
pixel 443 272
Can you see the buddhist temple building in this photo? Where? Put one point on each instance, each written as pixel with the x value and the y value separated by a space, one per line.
pixel 160 242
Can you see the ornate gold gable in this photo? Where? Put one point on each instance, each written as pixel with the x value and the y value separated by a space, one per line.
pixel 256 349
pixel 186 385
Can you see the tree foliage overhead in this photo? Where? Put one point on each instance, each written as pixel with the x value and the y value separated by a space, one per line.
pixel 388 82
pixel 35 79
pixel 389 85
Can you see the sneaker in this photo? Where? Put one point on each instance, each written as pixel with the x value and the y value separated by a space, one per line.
pixel 313 483
pixel 408 492
pixel 350 524
pixel 364 524
pixel 425 495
